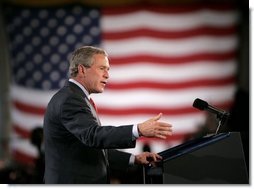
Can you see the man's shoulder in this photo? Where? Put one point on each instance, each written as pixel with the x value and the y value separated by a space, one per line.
pixel 67 93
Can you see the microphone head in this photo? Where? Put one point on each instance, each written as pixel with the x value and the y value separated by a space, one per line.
pixel 200 104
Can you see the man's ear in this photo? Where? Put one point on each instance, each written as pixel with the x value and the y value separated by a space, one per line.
pixel 81 70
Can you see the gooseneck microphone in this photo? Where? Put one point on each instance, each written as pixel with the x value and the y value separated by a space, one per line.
pixel 203 105
pixel 222 115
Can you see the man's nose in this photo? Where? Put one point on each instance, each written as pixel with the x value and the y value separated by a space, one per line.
pixel 106 74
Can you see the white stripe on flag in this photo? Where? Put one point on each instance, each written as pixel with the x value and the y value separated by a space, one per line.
pixel 168 21
pixel 172 73
pixel 164 47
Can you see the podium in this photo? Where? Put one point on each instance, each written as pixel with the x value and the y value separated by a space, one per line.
pixel 212 159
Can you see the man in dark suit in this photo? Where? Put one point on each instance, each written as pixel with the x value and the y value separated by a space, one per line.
pixel 77 148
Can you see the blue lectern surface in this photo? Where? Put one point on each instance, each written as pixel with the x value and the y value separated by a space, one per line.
pixel 191 145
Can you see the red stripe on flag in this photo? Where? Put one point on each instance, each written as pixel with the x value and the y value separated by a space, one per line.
pixel 21 131
pixel 126 111
pixel 154 111
pixel 29 108
pixel 191 59
pixel 145 32
pixel 23 158
pixel 171 86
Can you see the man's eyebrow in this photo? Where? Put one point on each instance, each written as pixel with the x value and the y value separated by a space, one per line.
pixel 107 67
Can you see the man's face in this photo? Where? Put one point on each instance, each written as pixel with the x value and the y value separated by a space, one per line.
pixel 97 75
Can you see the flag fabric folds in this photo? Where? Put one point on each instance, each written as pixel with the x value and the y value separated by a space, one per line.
pixel 161 57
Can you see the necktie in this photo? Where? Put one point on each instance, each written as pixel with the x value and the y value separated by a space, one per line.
pixel 105 152
pixel 93 104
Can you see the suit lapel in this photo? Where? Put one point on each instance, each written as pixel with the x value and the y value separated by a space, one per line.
pixel 94 113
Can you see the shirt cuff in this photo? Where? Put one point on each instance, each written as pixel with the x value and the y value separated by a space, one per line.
pixel 132 160
pixel 135 134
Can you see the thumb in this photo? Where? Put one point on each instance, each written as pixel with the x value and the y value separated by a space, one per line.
pixel 156 118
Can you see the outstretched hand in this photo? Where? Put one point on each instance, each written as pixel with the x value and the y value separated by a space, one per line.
pixel 146 158
pixel 154 128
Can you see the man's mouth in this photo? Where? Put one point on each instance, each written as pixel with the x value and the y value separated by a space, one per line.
pixel 104 82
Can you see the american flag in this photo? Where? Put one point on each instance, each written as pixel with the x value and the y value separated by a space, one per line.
pixel 162 58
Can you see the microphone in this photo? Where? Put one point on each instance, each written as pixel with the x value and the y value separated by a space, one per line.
pixel 222 115
pixel 203 105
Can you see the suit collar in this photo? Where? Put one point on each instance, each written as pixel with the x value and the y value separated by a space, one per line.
pixel 76 88
pixel 80 86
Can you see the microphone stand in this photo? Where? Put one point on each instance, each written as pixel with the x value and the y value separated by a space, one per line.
pixel 222 118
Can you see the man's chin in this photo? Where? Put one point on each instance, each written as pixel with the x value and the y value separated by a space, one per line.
pixel 99 91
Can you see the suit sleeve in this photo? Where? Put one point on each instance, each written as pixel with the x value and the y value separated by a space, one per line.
pixel 118 160
pixel 77 118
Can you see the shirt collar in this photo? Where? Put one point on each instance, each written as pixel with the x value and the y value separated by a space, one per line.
pixel 80 86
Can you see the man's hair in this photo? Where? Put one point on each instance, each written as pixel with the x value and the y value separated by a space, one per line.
pixel 84 56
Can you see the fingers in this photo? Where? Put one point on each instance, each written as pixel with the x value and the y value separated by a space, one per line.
pixel 153 157
pixel 156 157
pixel 163 124
pixel 146 158
pixel 155 128
pixel 156 118
pixel 163 130
pixel 163 134
pixel 160 136
pixel 164 127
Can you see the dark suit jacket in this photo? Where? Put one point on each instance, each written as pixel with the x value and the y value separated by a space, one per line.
pixel 74 141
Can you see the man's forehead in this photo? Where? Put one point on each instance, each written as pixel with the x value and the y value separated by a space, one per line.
pixel 101 61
